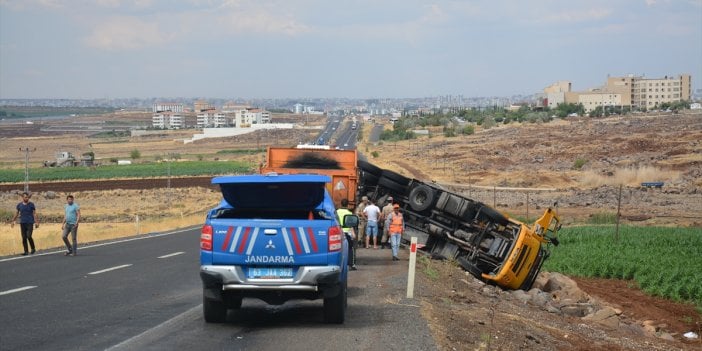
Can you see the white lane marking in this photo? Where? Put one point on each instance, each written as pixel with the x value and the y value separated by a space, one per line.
pixel 111 269
pixel 171 255
pixel 61 251
pixel 7 292
pixel 151 336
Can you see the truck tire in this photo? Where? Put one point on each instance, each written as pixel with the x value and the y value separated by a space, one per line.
pixel 369 168
pixel 395 188
pixel 214 311
pixel 489 214
pixel 369 179
pixel 335 307
pixel 422 197
pixel 396 177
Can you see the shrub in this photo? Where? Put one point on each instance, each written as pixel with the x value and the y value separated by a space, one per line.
pixel 579 163
pixel 375 154
pixel 135 154
pixel 468 130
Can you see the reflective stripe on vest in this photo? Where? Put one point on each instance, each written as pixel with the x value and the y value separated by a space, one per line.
pixel 395 223
pixel 340 213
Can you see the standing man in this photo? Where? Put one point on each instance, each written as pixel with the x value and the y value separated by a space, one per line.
pixel 372 214
pixel 397 228
pixel 361 220
pixel 70 225
pixel 27 213
pixel 348 231
pixel 385 212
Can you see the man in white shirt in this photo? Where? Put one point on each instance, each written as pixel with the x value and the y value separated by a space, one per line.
pixel 371 213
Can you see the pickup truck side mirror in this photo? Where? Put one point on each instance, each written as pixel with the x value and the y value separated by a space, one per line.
pixel 350 221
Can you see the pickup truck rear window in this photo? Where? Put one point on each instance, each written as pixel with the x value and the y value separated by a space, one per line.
pixel 303 196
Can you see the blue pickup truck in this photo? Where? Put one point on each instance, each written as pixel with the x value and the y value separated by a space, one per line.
pixel 275 238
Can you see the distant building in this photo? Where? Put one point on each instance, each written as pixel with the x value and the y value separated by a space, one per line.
pixel 167 120
pixel 630 91
pixel 299 108
pixel 201 105
pixel 556 93
pixel 211 118
pixel 167 106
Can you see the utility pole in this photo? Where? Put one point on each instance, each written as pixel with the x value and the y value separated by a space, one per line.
pixel 26 151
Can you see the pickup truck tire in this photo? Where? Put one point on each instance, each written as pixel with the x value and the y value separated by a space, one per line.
pixel 394 187
pixel 370 168
pixel 396 177
pixel 335 307
pixel 214 311
pixel 491 215
pixel 421 197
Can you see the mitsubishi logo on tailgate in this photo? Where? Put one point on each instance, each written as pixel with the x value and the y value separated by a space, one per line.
pixel 270 245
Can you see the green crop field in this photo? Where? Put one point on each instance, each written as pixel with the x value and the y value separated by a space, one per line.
pixel 664 262
pixel 145 170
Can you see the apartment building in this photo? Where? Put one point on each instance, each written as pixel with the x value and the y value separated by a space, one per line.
pixel 201 105
pixel 651 93
pixel 211 118
pixel 167 120
pixel 167 106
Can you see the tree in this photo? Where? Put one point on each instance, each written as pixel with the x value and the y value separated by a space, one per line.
pixel 135 154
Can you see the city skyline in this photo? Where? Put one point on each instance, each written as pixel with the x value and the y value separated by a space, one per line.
pixel 394 49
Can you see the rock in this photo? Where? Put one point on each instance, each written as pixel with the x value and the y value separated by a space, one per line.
pixel 577 309
pixel 540 298
pixel 666 336
pixel 50 195
pixel 520 295
pixel 550 308
pixel 606 316
pixel 489 291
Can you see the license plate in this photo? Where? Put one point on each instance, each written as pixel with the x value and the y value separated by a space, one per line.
pixel 270 272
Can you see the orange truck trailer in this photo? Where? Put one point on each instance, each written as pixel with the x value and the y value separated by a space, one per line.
pixel 341 165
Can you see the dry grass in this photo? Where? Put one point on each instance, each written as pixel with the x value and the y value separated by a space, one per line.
pixel 48 236
pixel 630 176
pixel 109 214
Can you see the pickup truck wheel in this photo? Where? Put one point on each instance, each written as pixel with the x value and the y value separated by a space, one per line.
pixel 421 197
pixel 370 168
pixel 335 307
pixel 214 311
pixel 491 215
pixel 396 177
pixel 395 188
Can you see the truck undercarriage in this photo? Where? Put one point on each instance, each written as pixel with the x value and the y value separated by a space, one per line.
pixel 486 243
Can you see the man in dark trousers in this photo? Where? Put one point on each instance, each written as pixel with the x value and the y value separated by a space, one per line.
pixel 27 213
pixel 348 231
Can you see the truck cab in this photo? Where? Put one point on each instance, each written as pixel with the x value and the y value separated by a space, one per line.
pixel 274 238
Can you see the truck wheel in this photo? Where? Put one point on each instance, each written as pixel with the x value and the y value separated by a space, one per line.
pixel 395 188
pixel 335 307
pixel 396 177
pixel 214 311
pixel 491 215
pixel 369 179
pixel 370 168
pixel 421 197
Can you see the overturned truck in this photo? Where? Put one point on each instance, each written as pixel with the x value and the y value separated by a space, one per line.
pixel 491 246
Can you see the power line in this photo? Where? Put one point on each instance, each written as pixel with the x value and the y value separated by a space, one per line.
pixel 26 151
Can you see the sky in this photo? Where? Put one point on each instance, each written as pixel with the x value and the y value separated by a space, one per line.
pixel 77 49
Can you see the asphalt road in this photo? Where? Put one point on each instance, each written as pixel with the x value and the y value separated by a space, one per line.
pixel 145 294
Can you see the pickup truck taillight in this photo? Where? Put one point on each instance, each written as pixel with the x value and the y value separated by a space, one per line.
pixel 206 238
pixel 335 236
